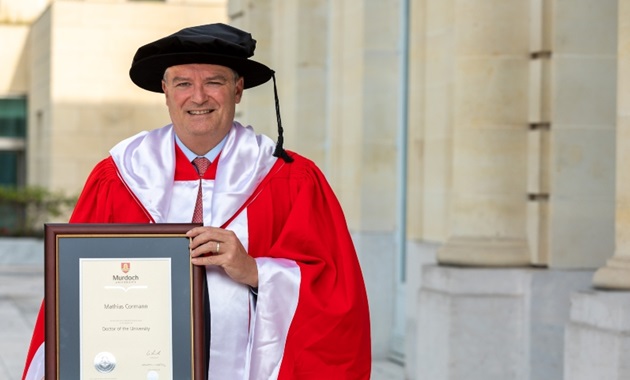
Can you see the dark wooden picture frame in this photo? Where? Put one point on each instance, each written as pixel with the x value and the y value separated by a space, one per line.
pixel 65 244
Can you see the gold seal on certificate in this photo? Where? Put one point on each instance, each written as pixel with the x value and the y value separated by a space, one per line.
pixel 104 362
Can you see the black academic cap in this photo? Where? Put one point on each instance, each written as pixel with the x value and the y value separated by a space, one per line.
pixel 217 44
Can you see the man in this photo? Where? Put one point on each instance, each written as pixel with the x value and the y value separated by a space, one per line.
pixel 286 294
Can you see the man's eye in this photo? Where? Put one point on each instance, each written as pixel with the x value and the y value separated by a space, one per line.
pixel 215 83
pixel 182 84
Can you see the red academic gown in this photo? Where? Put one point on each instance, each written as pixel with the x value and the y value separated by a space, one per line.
pixel 296 216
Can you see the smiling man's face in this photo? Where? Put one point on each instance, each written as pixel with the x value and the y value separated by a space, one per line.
pixel 201 100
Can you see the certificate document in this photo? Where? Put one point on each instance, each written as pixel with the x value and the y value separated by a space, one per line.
pixel 125 317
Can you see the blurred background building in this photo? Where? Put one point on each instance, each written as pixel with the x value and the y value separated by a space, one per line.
pixel 476 146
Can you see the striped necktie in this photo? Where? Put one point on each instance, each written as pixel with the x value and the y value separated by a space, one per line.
pixel 201 163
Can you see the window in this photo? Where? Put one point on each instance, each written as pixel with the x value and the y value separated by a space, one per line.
pixel 13 117
pixel 12 140
pixel 12 154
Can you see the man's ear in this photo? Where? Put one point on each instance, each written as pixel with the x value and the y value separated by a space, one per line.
pixel 240 83
pixel 165 91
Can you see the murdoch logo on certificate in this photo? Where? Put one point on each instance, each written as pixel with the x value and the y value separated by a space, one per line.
pixel 125 278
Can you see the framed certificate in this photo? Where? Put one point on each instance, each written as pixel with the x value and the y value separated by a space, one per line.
pixel 123 301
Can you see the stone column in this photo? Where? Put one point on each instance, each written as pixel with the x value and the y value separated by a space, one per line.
pixel 616 273
pixel 597 337
pixel 362 104
pixel 489 116
pixel 300 47
pixel 337 73
pixel 257 105
pixel 476 136
pixel 292 40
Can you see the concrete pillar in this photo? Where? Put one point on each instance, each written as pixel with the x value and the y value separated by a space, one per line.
pixel 488 112
pixel 291 38
pixel 616 273
pixel 337 73
pixel 490 323
pixel 597 343
pixel 487 106
pixel 300 47
pixel 362 123
pixel 597 338
pixel 345 98
pixel 582 134
pixel 475 184
pixel 257 105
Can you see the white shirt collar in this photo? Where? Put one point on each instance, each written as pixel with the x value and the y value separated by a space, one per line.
pixel 211 155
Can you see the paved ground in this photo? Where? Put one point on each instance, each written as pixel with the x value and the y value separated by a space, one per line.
pixel 21 290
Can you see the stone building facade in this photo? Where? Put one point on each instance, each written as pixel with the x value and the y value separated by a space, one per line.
pixel 478 148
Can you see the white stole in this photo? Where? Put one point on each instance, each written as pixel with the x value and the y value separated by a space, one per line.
pixel 146 163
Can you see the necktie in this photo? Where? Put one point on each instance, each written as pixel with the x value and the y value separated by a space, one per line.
pixel 202 164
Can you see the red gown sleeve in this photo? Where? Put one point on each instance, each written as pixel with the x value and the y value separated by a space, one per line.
pixel 37 340
pixel 106 199
pixel 329 336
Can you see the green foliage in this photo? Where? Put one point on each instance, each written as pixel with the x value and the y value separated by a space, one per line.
pixel 23 211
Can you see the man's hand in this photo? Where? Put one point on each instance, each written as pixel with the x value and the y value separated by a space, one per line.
pixel 216 246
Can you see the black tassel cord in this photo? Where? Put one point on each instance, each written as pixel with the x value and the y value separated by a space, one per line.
pixel 279 152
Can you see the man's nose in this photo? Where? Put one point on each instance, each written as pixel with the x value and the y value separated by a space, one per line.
pixel 199 95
